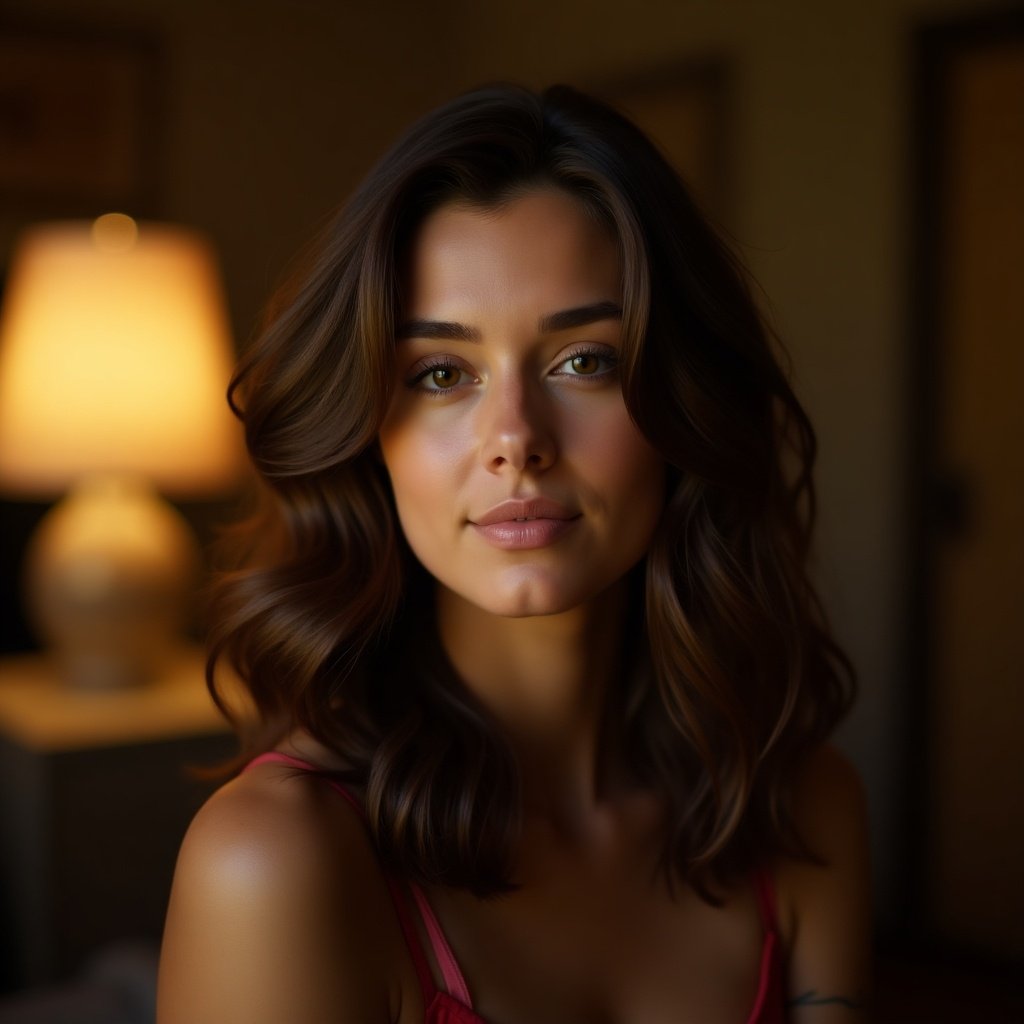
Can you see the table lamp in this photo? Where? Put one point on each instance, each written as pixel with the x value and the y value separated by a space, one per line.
pixel 114 358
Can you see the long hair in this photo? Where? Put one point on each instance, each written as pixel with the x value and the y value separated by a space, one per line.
pixel 733 676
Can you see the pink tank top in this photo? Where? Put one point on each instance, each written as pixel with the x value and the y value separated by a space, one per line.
pixel 453 1005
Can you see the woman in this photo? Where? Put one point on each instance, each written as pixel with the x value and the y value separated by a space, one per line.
pixel 542 680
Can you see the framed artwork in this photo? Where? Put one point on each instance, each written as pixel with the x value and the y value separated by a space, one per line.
pixel 79 124
pixel 686 108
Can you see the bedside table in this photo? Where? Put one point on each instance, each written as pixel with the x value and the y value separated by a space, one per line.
pixel 95 796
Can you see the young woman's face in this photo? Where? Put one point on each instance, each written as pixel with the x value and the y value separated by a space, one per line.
pixel 521 483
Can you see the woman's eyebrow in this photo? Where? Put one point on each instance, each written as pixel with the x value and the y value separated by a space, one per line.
pixel 580 316
pixel 447 330
pixel 440 330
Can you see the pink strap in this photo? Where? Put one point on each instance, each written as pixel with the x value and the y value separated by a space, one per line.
pixel 412 940
pixel 452 976
pixel 768 985
pixel 768 1004
pixel 454 982
pixel 764 889
pixel 276 757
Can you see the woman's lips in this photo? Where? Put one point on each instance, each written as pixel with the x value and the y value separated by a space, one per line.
pixel 521 525
pixel 523 535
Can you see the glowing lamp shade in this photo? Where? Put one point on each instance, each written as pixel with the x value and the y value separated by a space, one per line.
pixel 114 357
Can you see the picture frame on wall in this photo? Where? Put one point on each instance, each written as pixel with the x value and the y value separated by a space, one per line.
pixel 686 108
pixel 80 124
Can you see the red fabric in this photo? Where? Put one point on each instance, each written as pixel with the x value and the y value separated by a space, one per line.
pixel 455 1006
pixel 770 1004
pixel 451 973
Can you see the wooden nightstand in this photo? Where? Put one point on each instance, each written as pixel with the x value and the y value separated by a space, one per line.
pixel 95 796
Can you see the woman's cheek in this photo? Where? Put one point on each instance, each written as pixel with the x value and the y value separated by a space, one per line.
pixel 612 448
pixel 424 456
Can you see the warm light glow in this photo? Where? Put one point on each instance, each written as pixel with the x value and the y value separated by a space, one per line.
pixel 114 356
pixel 114 232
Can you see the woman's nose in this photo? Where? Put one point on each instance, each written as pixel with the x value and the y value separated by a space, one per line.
pixel 516 429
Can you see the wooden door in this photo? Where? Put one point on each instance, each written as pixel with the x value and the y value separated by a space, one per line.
pixel 974 358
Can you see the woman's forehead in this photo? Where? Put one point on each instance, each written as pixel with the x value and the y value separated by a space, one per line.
pixel 539 248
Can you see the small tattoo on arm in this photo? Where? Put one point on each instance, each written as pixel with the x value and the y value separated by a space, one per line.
pixel 814 998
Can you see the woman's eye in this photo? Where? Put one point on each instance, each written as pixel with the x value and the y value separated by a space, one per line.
pixel 438 377
pixel 587 364
pixel 443 377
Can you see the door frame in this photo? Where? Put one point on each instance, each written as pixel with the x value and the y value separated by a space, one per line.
pixel 936 48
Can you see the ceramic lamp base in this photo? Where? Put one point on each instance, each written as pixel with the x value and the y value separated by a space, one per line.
pixel 108 576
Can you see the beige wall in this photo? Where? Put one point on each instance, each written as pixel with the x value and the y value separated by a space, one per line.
pixel 275 108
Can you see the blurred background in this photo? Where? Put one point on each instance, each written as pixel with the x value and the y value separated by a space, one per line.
pixel 865 157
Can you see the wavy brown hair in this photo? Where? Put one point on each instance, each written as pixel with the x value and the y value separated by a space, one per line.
pixel 732 677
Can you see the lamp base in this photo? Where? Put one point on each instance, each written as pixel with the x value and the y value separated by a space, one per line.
pixel 108 574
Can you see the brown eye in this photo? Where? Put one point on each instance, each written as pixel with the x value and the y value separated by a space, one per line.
pixel 444 377
pixel 585 363
pixel 440 377
pixel 600 364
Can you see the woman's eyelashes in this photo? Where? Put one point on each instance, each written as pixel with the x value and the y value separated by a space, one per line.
pixel 442 374
pixel 588 361
pixel 438 375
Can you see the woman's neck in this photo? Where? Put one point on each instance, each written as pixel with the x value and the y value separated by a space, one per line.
pixel 548 681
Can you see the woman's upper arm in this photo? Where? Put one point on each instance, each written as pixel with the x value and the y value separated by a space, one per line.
pixel 275 915
pixel 829 904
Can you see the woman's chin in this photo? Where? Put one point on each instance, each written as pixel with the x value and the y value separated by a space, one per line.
pixel 519 594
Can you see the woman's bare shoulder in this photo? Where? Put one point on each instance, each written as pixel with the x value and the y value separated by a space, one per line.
pixel 278 910
pixel 830 801
pixel 825 903
pixel 275 823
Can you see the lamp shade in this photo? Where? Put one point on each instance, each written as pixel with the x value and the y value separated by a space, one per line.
pixel 114 358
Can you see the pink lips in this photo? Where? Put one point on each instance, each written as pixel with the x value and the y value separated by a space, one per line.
pixel 516 525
